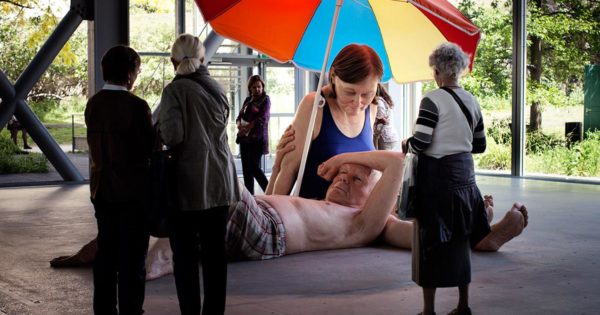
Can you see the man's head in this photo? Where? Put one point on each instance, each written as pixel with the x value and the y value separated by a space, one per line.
pixel 352 185
pixel 120 65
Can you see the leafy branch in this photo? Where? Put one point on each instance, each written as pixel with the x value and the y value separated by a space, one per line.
pixel 17 4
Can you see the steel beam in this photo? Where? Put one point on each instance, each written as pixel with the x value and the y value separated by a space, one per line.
pixel 211 45
pixel 518 86
pixel 7 94
pixel 110 28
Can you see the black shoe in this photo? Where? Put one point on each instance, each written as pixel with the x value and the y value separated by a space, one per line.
pixel 466 311
pixel 26 147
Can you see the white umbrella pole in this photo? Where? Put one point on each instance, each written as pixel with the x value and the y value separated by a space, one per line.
pixel 313 114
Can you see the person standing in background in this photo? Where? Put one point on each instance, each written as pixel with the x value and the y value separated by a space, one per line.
pixel 120 138
pixel 385 136
pixel 192 121
pixel 253 132
pixel 14 126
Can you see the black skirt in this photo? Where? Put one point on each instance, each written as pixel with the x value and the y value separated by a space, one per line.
pixel 451 219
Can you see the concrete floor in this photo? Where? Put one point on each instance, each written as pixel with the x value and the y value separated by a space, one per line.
pixel 552 268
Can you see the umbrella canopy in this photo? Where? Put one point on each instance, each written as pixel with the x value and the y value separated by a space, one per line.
pixel 402 32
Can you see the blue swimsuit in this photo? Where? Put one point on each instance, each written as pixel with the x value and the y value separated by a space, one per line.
pixel 330 142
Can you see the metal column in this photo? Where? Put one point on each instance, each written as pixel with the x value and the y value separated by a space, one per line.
pixel 518 86
pixel 180 16
pixel 299 86
pixel 211 45
pixel 110 28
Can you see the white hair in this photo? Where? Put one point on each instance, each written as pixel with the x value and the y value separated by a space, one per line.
pixel 449 60
pixel 188 51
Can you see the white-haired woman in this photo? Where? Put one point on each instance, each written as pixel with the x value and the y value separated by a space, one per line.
pixel 448 130
pixel 193 118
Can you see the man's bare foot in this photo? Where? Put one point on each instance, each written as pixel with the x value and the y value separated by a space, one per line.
pixel 159 262
pixel 521 208
pixel 84 257
pixel 508 228
pixel 488 201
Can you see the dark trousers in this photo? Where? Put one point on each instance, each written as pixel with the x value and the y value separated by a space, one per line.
pixel 251 154
pixel 206 228
pixel 119 267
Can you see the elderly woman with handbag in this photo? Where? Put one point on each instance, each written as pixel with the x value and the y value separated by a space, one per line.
pixel 451 215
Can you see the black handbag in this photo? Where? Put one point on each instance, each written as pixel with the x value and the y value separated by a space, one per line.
pixel 161 190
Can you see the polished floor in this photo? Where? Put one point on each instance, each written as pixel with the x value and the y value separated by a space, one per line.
pixel 552 268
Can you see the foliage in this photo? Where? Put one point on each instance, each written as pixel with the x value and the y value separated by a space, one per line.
pixel 494 103
pixel 538 142
pixel 568 29
pixel 499 131
pixel 496 157
pixel 23 31
pixel 492 67
pixel 43 107
pixel 581 159
pixel 152 6
pixel 548 154
pixel 570 33
pixel 13 160
pixel 63 133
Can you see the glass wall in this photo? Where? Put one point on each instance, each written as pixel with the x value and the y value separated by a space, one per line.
pixel 562 42
pixel 560 138
pixel 561 46
pixel 280 87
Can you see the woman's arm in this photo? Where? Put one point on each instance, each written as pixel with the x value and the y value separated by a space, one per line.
pixel 284 181
pixel 264 114
pixel 170 119
pixel 424 127
pixel 239 116
pixel 479 142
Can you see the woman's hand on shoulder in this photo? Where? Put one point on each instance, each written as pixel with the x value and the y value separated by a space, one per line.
pixel 290 161
pixel 287 137
pixel 284 146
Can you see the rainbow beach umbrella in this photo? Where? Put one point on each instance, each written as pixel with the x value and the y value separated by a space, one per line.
pixel 310 33
pixel 402 32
